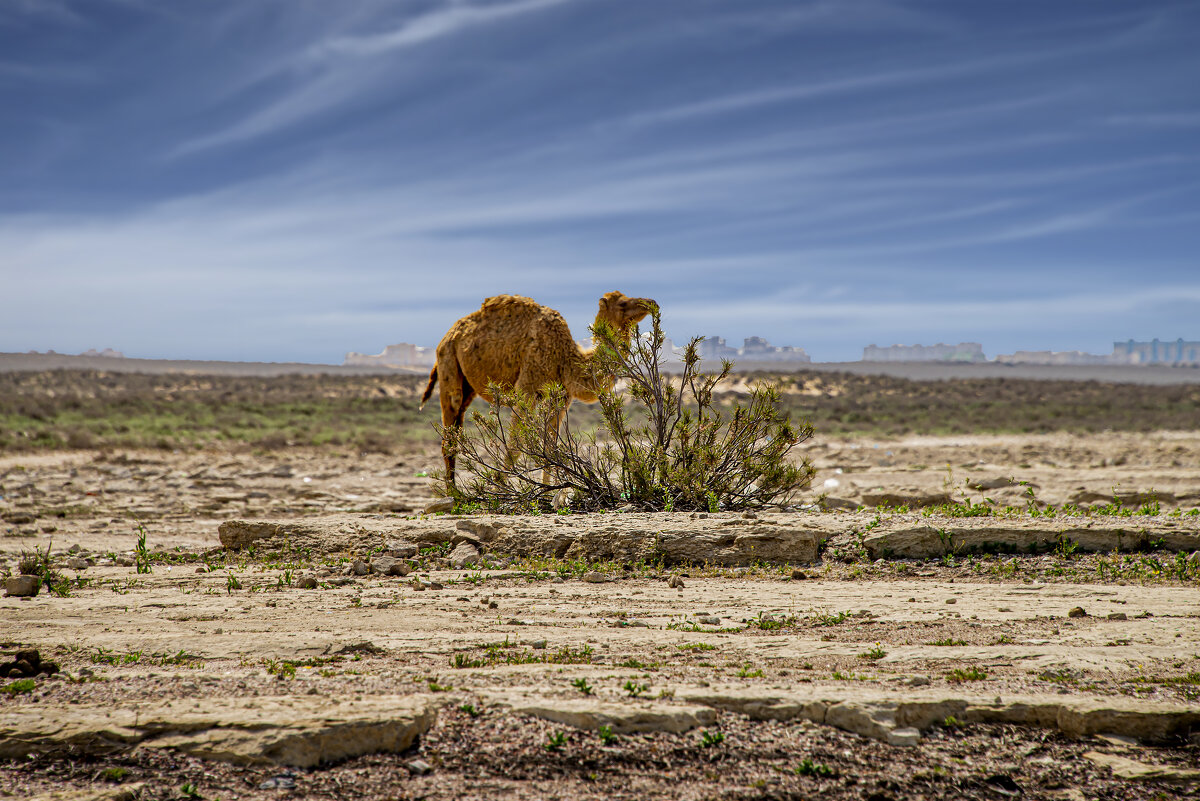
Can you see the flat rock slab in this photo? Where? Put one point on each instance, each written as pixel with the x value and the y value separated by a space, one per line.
pixel 300 731
pixel 896 716
pixel 933 539
pixel 592 713
pixel 727 540
pixel 125 792
pixel 1131 769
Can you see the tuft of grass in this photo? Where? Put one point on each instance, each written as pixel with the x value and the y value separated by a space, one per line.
pixel 606 735
pixel 874 654
pixel 635 690
pixel 555 741
pixel 708 739
pixel 817 769
pixel 582 685
pixel 19 687
pixel 961 675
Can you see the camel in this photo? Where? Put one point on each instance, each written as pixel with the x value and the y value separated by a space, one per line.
pixel 516 342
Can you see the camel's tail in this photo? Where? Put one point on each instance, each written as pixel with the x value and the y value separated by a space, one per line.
pixel 429 389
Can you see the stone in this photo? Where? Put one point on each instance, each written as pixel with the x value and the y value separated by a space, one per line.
pixel 676 583
pixel 475 532
pixel 298 731
pixel 1118 616
pixel 645 537
pixel 537 645
pixel 907 736
pixel 1194 559
pixel 389 566
pixel 913 499
pixel 709 620
pixel 360 568
pixel 992 483
pixel 439 506
pixel 464 555
pixel 76 563
pixel 1077 611
pixel 594 577
pixel 400 550
pixel 307 582
pixel 970 535
pixel 22 586
pixel 1131 769
pixel 878 712
pixel 799 575
pixel 418 767
pixel 123 560
pixel 127 791
pixel 623 718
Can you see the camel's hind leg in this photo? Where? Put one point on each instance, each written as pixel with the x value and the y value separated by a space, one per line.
pixel 456 395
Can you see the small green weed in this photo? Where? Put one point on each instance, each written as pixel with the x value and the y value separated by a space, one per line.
pixel 817 769
pixel 710 738
pixel 960 676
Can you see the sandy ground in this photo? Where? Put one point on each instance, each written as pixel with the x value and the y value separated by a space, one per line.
pixel 485 644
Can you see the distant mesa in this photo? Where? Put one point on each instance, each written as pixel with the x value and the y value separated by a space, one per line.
pixel 962 352
pixel 107 353
pixel 1178 352
pixel 400 355
pixel 754 349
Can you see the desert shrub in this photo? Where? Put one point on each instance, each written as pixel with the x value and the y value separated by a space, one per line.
pixel 663 445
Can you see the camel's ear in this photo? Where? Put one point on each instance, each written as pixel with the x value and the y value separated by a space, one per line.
pixel 609 299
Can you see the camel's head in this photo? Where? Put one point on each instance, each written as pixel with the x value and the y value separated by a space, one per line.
pixel 623 312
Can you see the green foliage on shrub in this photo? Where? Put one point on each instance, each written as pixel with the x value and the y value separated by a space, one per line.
pixel 663 444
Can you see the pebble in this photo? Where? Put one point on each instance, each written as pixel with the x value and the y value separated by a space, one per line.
pixel 594 577
pixel 439 506
pixel 1077 612
pixel 676 583
pixel 1118 616
pixel 418 767
pixel 308 582
pixel 22 586
pixel 76 563
pixel 799 575
pixel 360 568
pixel 537 645
pixel 951 600
pixel 918 681
pixel 709 620
pixel 401 550
pixel 282 782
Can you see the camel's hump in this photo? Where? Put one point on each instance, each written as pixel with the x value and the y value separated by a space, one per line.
pixel 500 301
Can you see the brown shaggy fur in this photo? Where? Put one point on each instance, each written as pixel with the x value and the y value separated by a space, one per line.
pixel 515 342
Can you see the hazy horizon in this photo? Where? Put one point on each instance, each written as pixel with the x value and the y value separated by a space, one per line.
pixel 289 181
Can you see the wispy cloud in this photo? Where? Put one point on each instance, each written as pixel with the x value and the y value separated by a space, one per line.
pixel 347 68
pixel 436 24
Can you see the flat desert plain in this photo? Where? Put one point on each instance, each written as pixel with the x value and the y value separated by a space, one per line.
pixel 247 601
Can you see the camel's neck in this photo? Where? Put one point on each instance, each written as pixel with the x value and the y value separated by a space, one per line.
pixel 584 383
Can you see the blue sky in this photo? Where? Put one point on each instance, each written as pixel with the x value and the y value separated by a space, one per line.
pixel 293 179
